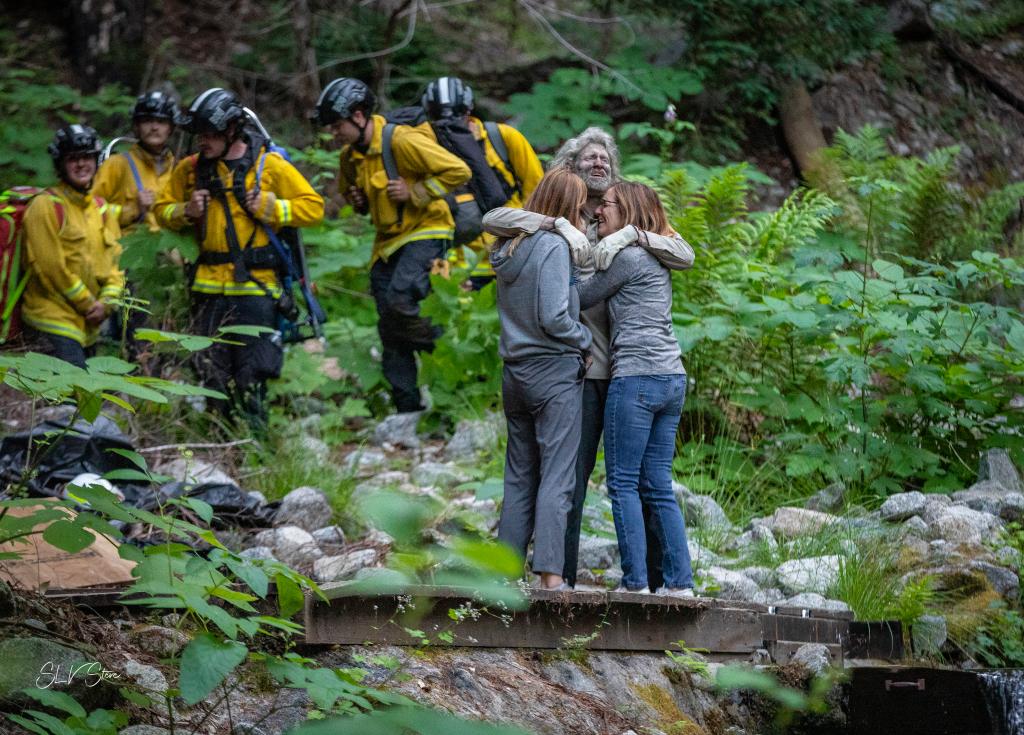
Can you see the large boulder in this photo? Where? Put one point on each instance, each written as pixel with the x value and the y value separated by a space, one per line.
pixel 995 465
pixel 813 574
pixel 992 497
pixel 902 506
pixel 305 507
pixel 935 506
pixel 1003 580
pixel 790 522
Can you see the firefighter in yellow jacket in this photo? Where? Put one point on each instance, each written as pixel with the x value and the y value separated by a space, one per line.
pixel 516 165
pixel 71 253
pixel 414 227
pixel 232 192
pixel 130 182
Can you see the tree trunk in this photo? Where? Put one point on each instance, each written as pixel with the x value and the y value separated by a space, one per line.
pixel 307 88
pixel 107 40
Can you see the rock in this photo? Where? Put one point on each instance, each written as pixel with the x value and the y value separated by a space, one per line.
pixel 680 491
pixel 733 585
pixel 814 601
pixel 475 435
pixel 795 522
pixel 8 602
pixel 698 554
pixel 598 553
pixel 378 538
pixel 147 677
pixel 570 676
pixel 314 448
pixel 296 547
pixel 159 641
pixel 437 474
pixel 989 496
pixel 703 511
pixel 928 634
pixel 902 506
pixel 305 507
pixel 915 526
pixel 195 471
pixel 344 566
pixel 814 657
pixel 959 524
pixel 829 499
pixel 1003 581
pixel 258 552
pixel 329 536
pixel 398 430
pixel 1008 556
pixel 144 730
pixel 761 576
pixel 758 535
pixel 995 465
pixel 35 661
pixel 365 460
pixel 257 496
pixel 813 574
pixel 935 506
pixel 264 538
pixel 769 596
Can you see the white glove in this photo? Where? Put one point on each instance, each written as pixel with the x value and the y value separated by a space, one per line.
pixel 606 250
pixel 579 245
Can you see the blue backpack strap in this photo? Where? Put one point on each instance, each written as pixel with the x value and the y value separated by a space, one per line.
pixel 138 181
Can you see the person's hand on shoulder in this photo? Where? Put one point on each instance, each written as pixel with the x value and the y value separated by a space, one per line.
pixel 579 245
pixel 608 247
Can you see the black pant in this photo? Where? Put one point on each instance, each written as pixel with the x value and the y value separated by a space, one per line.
pixel 63 348
pixel 399 285
pixel 595 393
pixel 240 371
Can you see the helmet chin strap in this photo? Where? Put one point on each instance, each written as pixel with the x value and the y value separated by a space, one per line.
pixel 361 145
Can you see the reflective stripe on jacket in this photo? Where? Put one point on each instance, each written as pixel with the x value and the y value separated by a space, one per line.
pixel 72 264
pixel 116 184
pixel 430 173
pixel 296 205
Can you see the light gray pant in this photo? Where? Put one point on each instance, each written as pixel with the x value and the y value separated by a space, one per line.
pixel 543 407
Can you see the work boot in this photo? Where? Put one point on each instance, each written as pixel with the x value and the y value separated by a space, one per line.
pixel 399 430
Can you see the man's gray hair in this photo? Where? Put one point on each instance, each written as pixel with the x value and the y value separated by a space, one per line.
pixel 571 149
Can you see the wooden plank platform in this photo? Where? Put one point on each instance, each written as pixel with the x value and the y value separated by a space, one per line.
pixel 593 620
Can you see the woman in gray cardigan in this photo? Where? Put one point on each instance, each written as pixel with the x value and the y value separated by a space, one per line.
pixel 543 345
pixel 645 395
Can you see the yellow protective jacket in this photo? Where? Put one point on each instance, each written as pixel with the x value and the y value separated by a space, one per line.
pixel 295 204
pixel 526 168
pixel 116 184
pixel 72 258
pixel 430 173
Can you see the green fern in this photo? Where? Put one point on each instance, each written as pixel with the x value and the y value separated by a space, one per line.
pixel 799 220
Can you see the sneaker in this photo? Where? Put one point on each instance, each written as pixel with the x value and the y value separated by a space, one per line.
pixel 641 591
pixel 675 591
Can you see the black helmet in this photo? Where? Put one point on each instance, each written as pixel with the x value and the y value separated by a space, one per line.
pixel 73 140
pixel 447 97
pixel 212 111
pixel 341 98
pixel 155 104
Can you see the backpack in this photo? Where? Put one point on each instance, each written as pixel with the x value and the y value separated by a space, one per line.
pixel 13 280
pixel 468 203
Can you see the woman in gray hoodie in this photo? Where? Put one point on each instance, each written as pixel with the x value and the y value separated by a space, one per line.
pixel 543 345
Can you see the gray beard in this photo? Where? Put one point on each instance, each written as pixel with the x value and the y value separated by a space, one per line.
pixel 597 184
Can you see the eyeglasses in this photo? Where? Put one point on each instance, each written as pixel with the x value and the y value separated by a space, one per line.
pixel 608 203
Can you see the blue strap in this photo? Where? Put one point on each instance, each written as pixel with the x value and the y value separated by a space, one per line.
pixel 138 182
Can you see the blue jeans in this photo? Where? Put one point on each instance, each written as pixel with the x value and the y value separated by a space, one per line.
pixel 640 421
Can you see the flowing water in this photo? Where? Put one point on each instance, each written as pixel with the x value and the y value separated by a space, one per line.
pixel 1004 694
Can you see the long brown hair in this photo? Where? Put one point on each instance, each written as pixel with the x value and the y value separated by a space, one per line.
pixel 640 206
pixel 561 193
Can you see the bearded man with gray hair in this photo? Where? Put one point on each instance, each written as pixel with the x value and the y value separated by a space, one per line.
pixel 594 156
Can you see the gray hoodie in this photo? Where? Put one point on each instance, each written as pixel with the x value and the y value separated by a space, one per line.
pixel 537 302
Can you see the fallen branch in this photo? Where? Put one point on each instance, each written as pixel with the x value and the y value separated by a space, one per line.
pixel 211 445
